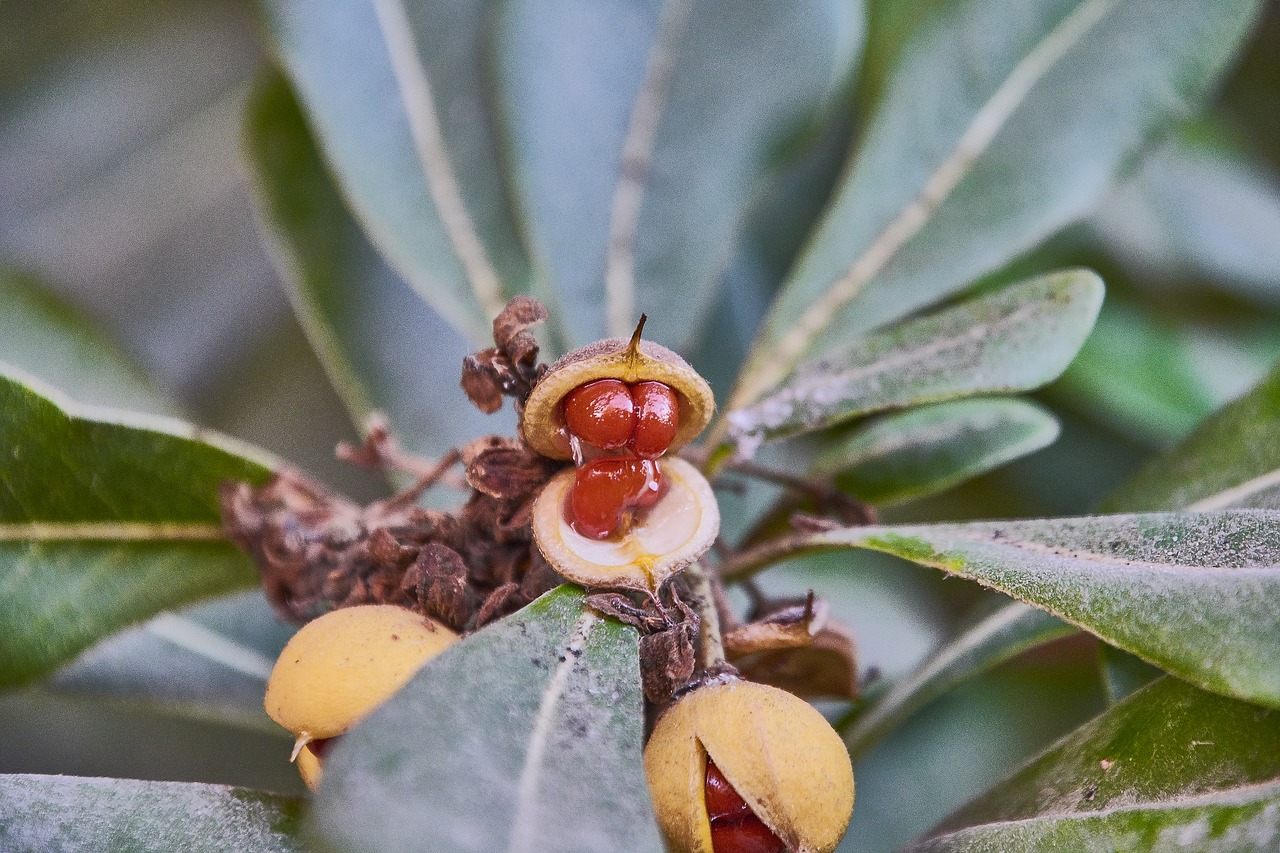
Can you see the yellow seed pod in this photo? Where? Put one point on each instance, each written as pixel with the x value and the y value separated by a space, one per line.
pixel 779 754
pixel 338 668
pixel 654 545
pixel 628 361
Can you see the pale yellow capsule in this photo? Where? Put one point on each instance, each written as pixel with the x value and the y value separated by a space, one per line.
pixel 338 668
pixel 656 543
pixel 779 754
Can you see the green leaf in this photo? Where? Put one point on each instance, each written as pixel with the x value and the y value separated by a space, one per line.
pixel 48 339
pixel 383 349
pixel 209 661
pixel 1233 459
pixel 525 736
pixel 1202 210
pixel 396 94
pixel 1013 340
pixel 1170 769
pixel 1003 635
pixel 932 448
pixel 70 814
pixel 106 519
pixel 1123 673
pixel 1003 121
pixel 1192 593
pixel 641 134
pixel 1136 374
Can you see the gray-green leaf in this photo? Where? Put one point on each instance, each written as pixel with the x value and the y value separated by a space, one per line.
pixel 932 448
pixel 1016 339
pixel 526 736
pixel 1193 593
pixel 1170 769
pixel 1003 121
pixel 642 132
pixel 396 93
pixel 39 814
pixel 105 519
pixel 1233 459
pixel 382 347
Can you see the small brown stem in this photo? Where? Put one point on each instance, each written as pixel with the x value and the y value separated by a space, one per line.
pixel 410 496
pixel 711 643
pixel 848 509
pixel 746 563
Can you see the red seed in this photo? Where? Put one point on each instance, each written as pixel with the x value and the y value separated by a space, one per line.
pixel 601 413
pixel 657 415
pixel 747 836
pixel 602 490
pixel 734 827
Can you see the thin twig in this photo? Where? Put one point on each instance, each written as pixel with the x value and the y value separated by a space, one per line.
pixel 410 496
pixel 711 643
pixel 849 509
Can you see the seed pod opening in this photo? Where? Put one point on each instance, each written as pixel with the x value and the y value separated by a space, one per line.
pixel 629 361
pixel 779 754
pixel 341 666
pixel 655 543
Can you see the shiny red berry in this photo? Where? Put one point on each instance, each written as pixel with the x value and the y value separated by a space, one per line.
pixel 657 415
pixel 603 490
pixel 734 827
pixel 601 413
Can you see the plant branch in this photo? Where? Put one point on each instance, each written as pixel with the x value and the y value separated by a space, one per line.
pixel 711 643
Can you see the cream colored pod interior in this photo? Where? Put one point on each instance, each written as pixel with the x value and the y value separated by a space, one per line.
pixel 341 666
pixel 655 544
pixel 780 755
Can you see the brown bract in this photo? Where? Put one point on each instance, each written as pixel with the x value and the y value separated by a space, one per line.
pixel 614 358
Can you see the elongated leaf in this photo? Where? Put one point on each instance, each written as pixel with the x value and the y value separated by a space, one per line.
pixel 1002 122
pixel 395 91
pixel 526 736
pixel 641 133
pixel 69 814
pixel 209 661
pixel 382 348
pixel 1003 635
pixel 1233 459
pixel 46 338
pixel 1193 593
pixel 1170 769
pixel 1013 340
pixel 933 448
pixel 105 519
pixel 1198 208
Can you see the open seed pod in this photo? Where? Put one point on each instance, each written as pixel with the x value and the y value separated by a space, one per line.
pixel 656 543
pixel 776 751
pixel 629 361
pixel 341 666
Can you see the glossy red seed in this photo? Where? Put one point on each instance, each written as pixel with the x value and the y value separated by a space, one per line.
pixel 320 746
pixel 602 490
pixel 601 413
pixel 657 414
pixel 746 836
pixel 734 827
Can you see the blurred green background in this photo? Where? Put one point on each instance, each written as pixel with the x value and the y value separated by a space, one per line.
pixel 122 190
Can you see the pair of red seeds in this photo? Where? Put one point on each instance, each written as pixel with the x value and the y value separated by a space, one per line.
pixel 734 827
pixel 639 420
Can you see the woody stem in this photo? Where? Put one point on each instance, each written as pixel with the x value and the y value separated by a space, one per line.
pixel 711 644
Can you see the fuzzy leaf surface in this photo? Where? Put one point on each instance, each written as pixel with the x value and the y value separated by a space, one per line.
pixel 396 94
pixel 1193 593
pixel 526 736
pixel 1232 459
pixel 383 349
pixel 1013 340
pixel 1172 768
pixel 932 448
pixel 106 519
pixel 642 132
pixel 72 814
pixel 1001 122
